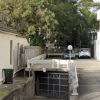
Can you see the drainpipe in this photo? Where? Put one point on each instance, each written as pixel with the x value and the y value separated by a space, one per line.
pixel 29 41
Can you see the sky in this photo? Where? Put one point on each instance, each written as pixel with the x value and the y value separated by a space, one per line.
pixel 96 0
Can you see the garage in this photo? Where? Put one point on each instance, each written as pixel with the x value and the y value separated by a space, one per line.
pixel 52 84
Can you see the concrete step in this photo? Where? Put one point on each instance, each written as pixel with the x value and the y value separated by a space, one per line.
pixel 44 98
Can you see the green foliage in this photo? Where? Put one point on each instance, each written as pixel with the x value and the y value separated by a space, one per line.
pixel 62 20
pixel 88 4
pixel 36 40
pixel 29 16
pixel 86 41
pixel 3 93
pixel 31 30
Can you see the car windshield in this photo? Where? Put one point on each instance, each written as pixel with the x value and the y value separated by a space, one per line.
pixel 84 50
pixel 67 51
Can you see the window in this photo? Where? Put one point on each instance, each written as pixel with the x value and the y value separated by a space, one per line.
pixel 11 49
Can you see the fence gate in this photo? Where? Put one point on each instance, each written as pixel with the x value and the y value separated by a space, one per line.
pixel 52 84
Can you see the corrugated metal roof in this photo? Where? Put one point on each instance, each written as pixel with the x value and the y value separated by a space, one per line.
pixel 4 27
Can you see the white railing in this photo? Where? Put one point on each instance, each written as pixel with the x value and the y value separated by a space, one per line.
pixel 73 71
pixel 74 78
pixel 52 62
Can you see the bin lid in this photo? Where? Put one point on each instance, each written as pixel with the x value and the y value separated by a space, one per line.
pixel 7 68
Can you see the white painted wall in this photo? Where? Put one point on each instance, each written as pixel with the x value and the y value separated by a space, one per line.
pixel 97 50
pixel 98 15
pixel 98 35
pixel 97 42
pixel 30 52
pixel 5 38
pixel 21 41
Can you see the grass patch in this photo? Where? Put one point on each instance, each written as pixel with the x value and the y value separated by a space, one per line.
pixel 28 78
pixel 3 93
pixel 20 87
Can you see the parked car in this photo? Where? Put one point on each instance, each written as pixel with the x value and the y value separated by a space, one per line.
pixel 66 54
pixel 84 52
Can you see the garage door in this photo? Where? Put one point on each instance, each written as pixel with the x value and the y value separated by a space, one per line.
pixel 52 84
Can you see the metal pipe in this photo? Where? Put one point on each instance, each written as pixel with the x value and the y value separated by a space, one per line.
pixel 70 55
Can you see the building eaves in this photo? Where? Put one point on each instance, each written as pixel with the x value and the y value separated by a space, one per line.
pixel 22 36
pixel 4 27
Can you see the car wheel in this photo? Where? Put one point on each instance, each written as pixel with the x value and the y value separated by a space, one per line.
pixel 89 57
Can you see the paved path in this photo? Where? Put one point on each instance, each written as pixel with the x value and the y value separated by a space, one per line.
pixel 88 64
pixel 89 79
pixel 89 86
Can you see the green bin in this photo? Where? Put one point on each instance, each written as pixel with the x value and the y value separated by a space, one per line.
pixel 8 75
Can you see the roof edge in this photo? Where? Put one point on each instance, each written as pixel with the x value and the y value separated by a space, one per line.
pixel 8 31
pixel 3 31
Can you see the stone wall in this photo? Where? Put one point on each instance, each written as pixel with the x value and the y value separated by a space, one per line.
pixel 27 91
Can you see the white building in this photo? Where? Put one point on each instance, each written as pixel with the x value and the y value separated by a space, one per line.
pixel 10 43
pixel 97 42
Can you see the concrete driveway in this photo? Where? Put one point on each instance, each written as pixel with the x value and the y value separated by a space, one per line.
pixel 83 64
pixel 87 65
pixel 89 79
